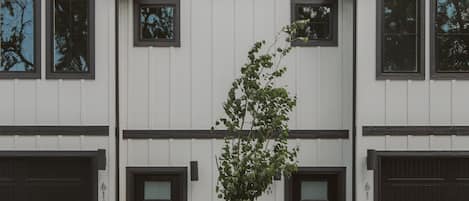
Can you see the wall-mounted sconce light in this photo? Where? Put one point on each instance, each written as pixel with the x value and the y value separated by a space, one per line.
pixel 194 171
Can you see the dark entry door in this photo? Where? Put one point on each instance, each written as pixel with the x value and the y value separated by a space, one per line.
pixel 46 179
pixel 424 179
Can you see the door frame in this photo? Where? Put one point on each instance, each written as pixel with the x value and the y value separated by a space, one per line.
pixel 374 162
pixel 98 161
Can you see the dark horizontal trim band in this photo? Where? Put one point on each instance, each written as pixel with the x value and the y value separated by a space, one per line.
pixel 55 130
pixel 415 130
pixel 220 134
pixel 99 155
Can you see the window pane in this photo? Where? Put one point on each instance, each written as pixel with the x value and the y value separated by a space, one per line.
pixel 157 190
pixel 319 26
pixel 157 22
pixel 400 16
pixel 17 33
pixel 400 36
pixel 71 36
pixel 314 190
pixel 452 16
pixel 399 53
pixel 453 53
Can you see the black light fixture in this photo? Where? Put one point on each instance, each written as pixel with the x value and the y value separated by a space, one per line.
pixel 194 171
pixel 278 176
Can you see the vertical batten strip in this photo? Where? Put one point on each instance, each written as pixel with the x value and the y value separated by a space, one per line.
pixel 150 89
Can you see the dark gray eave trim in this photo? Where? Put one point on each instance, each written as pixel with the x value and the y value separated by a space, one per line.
pixel 220 134
pixel 99 156
pixel 55 130
pixel 415 130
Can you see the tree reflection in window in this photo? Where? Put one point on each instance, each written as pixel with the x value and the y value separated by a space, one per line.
pixel 157 22
pixel 452 36
pixel 71 36
pixel 17 36
pixel 320 21
pixel 400 36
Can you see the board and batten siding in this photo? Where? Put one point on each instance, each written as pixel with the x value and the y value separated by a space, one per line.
pixel 402 103
pixel 44 102
pixel 184 88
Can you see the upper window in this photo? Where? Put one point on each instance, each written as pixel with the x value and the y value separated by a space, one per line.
pixel 318 184
pixel 156 23
pixel 157 184
pixel 400 39
pixel 450 39
pixel 20 39
pixel 322 26
pixel 70 39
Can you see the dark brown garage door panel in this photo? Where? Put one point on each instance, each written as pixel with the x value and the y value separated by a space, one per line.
pixel 46 179
pixel 424 179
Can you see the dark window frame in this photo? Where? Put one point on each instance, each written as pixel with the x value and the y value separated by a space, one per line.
pixel 176 173
pixel 340 172
pixel 334 42
pixel 37 50
pixel 176 42
pixel 420 74
pixel 50 74
pixel 434 74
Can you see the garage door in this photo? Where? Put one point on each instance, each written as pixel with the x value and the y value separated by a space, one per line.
pixel 46 179
pixel 423 179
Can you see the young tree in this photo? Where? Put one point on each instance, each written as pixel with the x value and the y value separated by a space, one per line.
pixel 257 119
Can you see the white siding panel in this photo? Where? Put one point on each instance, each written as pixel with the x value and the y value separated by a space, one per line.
pixel 138 83
pixel 308 154
pixel 419 142
pixel 440 102
pixel 158 152
pixel 460 143
pixel 47 112
pixel 396 143
pixel 418 108
pixel 396 102
pixel 460 98
pixel 308 88
pixel 161 96
pixel 25 102
pixel 70 102
pixel 330 78
pixel 7 89
pixel 7 142
pixel 440 143
pixel 201 48
pixel 202 152
pixel 330 152
pixel 223 60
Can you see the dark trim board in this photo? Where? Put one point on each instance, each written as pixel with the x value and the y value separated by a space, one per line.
pixel 220 134
pixel 55 130
pixel 415 130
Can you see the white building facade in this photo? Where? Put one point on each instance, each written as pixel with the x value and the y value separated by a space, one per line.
pixel 114 100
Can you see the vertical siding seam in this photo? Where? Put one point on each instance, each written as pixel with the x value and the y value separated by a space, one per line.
pixel 59 85
pixel 409 82
pixel 212 62
pixel 318 151
pixel 149 152
pixel 212 172
pixel 171 63
pixel 110 64
pixel 129 60
pixel 430 102
pixel 59 142
pixel 235 65
pixel 451 103
pixel 82 102
pixel 36 142
pixel 170 141
pixel 150 97
pixel 191 75
pixel 14 101
pixel 36 100
pixel 191 158
pixel 340 69
pixel 82 142
pixel 297 90
pixel 386 102
pixel 317 116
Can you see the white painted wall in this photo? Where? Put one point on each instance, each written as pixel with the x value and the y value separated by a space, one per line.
pixel 68 102
pixel 402 103
pixel 184 88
